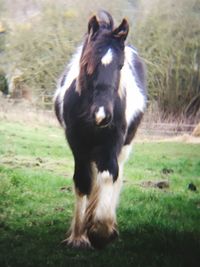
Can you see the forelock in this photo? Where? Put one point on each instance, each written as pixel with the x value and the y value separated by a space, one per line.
pixel 94 50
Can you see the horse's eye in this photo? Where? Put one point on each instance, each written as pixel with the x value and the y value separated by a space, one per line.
pixel 99 50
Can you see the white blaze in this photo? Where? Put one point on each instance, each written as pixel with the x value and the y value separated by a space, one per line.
pixel 107 58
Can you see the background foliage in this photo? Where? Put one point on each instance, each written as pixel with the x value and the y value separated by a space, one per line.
pixel 42 35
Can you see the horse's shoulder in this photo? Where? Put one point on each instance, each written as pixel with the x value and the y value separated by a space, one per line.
pixel 137 65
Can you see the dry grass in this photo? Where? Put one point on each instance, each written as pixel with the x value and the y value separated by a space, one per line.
pixel 153 127
pixel 196 131
pixel 23 112
pixel 184 138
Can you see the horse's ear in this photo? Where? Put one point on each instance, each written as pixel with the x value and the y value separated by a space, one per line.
pixel 93 26
pixel 121 32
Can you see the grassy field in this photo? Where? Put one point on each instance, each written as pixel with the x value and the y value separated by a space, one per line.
pixel 158 227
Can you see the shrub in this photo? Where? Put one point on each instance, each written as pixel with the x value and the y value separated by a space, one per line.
pixel 169 37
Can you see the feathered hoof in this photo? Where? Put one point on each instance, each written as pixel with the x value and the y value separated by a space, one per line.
pixel 100 235
pixel 81 242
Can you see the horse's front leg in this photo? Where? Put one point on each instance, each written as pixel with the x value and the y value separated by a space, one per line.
pixel 101 210
pixel 78 236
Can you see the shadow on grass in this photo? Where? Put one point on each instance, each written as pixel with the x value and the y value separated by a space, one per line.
pixel 146 245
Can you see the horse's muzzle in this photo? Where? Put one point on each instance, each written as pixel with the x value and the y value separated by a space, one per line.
pixel 102 117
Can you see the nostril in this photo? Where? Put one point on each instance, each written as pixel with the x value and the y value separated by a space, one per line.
pixel 102 116
pixel 106 121
pixel 108 117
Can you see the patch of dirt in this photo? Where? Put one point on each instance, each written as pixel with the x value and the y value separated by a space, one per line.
pixel 28 162
pixel 163 184
pixel 167 171
pixel 19 161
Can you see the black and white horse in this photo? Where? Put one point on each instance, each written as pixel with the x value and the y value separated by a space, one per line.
pixel 100 101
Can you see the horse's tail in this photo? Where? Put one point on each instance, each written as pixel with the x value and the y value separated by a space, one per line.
pixel 105 20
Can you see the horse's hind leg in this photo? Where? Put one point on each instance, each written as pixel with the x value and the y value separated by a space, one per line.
pixel 118 184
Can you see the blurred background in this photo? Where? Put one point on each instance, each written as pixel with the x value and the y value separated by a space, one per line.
pixel 38 37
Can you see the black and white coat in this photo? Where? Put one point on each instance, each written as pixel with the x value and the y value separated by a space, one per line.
pixel 100 108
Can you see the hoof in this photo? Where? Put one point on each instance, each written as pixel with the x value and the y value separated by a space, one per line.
pixel 100 235
pixel 77 242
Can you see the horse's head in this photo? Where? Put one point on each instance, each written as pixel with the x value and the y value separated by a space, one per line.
pixel 100 64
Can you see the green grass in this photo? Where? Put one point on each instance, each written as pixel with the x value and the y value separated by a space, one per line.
pixel 158 227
